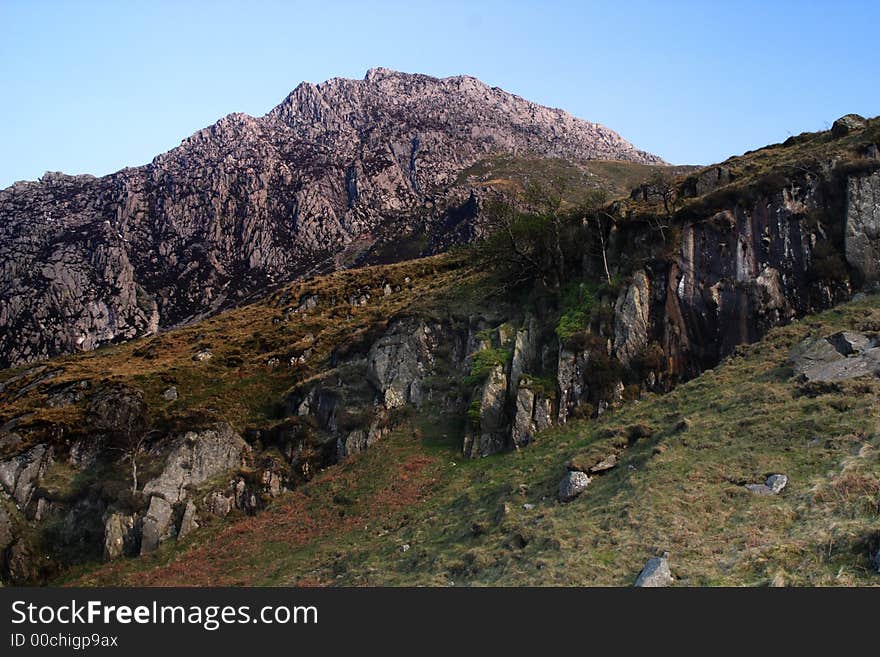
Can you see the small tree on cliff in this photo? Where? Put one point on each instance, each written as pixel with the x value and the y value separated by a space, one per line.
pixel 528 246
pixel 599 222
pixel 663 185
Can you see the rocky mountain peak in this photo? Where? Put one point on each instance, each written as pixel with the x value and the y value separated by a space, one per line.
pixel 250 202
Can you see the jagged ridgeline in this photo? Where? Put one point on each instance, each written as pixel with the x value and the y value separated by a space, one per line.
pixel 562 305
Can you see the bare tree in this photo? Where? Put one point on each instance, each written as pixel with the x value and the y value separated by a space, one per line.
pixel 663 185
pixel 595 213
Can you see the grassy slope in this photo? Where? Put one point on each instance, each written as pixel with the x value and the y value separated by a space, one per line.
pixel 680 489
pixel 574 180
pixel 237 384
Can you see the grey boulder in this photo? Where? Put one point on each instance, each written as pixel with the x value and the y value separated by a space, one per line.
pixel 655 573
pixel 772 486
pixel 572 484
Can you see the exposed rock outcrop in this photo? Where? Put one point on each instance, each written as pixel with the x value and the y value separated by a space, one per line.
pixel 398 361
pixel 836 358
pixel 631 315
pixel 846 124
pixel 20 475
pixel 195 458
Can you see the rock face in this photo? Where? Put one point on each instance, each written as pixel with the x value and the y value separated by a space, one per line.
pixel 19 475
pixel 631 319
pixel 862 234
pixel 398 361
pixel 248 202
pixel 756 263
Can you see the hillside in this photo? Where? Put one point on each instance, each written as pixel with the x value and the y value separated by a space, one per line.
pixel 389 423
pixel 410 511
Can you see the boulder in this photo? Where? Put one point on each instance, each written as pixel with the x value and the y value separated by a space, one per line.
pixel 844 355
pixel 170 394
pixel 776 483
pixel 813 354
pixel 772 486
pixel 655 573
pixel 847 124
pixel 605 464
pixel 203 355
pixel 849 343
pixel 572 484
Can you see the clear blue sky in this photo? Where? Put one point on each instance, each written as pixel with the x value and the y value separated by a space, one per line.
pixel 90 87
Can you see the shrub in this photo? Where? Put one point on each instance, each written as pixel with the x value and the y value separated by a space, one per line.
pixel 473 414
pixel 484 362
pixel 578 302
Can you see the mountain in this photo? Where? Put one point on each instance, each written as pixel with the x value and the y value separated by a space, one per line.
pixel 338 173
pixel 560 400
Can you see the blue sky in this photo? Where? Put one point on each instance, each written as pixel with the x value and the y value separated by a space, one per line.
pixel 90 87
